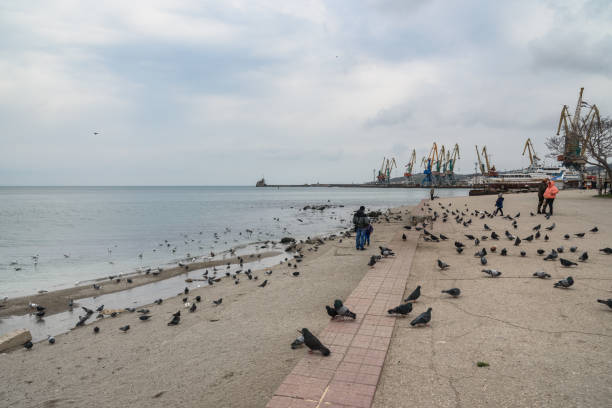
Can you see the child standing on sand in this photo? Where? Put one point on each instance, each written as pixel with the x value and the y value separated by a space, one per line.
pixel 368 232
pixel 499 204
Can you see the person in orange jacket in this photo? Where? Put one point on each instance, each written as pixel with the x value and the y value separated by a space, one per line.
pixel 549 195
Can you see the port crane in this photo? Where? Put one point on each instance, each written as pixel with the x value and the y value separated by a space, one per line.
pixel 451 161
pixel 384 174
pixel 574 154
pixel 480 165
pixel 381 173
pixel 439 166
pixel 410 165
pixel 533 157
pixel 427 163
pixel 490 169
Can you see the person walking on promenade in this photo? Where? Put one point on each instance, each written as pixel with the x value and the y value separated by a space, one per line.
pixel 431 194
pixel 541 189
pixel 368 232
pixel 361 221
pixel 499 204
pixel 549 195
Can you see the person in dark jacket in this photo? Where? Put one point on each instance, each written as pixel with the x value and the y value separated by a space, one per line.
pixel 499 204
pixel 361 221
pixel 541 190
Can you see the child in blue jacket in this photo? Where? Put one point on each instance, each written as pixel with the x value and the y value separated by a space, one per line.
pixel 499 204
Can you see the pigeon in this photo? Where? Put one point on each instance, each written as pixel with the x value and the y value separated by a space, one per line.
pixel 476 242
pixel 372 260
pixel 566 236
pixel 331 311
pixel 595 229
pixel 198 298
pixel 541 275
pixel 443 237
pixel 470 237
pixel 607 302
pixel 343 310
pixel 523 253
pixel 175 320
pixel 546 237
pixel 143 311
pixel 494 236
pixel 28 345
pixel 459 249
pixel 454 292
pixel 552 227
pixel 40 314
pixel 487 228
pixel 504 252
pixel 414 295
pixel 296 273
pixel 403 309
pixel 529 238
pixel 517 242
pixel 125 328
pixel 483 261
pixel 100 308
pixel 96 330
pixel 560 249
pixel 459 244
pixel 386 251
pixel 159 301
pixel 567 263
pixel 552 256
pixel 263 284
pixel 145 317
pixel 538 235
pixel 297 342
pixel 537 227
pixel 423 318
pixel 565 283
pixel 492 272
pixel 218 301
pixel 313 343
pixel 573 249
pixel 442 265
pixel 51 339
pixel 606 250
pixel 192 308
pixel 403 237
pixel 583 257
pixel 177 314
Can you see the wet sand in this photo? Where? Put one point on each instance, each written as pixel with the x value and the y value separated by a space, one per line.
pixel 232 355
pixel 57 301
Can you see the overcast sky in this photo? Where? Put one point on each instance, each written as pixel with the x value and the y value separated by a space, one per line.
pixel 223 92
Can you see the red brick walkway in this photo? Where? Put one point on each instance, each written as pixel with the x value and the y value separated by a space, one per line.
pixel 348 377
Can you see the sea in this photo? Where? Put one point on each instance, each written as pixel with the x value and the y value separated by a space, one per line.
pixel 56 237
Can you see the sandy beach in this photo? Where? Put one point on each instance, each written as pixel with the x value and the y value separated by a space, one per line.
pixel 552 345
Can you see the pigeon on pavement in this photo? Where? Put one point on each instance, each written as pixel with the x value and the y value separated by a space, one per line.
pixel 454 292
pixel 313 343
pixel 403 309
pixel 541 275
pixel 565 283
pixel 492 272
pixel 423 318
pixel 414 295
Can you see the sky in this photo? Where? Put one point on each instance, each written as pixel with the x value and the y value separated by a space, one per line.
pixel 225 92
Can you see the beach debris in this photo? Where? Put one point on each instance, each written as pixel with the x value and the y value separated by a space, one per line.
pixel 442 265
pixel 416 293
pixel 313 343
pixel 567 263
pixel 454 292
pixel 541 275
pixel 565 283
pixel 607 302
pixel 422 319
pixel 482 364
pixel 402 309
pixel 492 272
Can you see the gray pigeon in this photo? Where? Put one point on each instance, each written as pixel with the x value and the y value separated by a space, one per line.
pixel 606 250
pixel 414 295
pixel 567 263
pixel 423 318
pixel 454 292
pixel 175 320
pixel 492 272
pixel 442 265
pixel 483 260
pixel 573 249
pixel 541 275
pixel 403 309
pixel 565 283
pixel 313 343
pixel 297 342
pixel 343 310
pixel 583 257
pixel 607 302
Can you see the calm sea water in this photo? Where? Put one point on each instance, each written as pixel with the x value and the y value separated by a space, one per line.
pixel 80 233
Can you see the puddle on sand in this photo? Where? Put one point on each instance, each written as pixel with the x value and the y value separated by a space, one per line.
pixel 134 297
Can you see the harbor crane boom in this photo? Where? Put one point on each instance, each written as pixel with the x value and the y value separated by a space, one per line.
pixel 410 164
pixel 533 158
pixel 480 165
